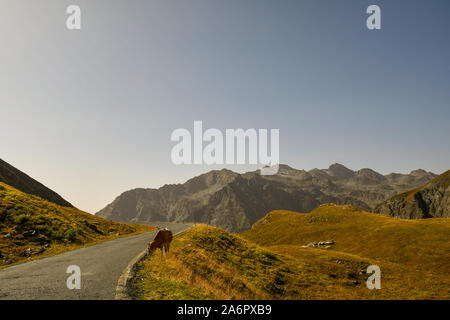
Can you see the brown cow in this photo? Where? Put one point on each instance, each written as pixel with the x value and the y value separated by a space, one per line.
pixel 162 241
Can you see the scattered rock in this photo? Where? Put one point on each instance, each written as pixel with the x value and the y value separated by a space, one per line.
pixel 8 235
pixel 320 243
pixel 117 234
pixel 30 252
pixel 29 233
pixel 312 245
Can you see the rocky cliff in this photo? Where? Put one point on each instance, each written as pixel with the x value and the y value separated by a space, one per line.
pixel 428 201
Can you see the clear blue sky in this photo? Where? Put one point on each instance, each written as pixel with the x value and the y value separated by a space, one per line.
pixel 89 113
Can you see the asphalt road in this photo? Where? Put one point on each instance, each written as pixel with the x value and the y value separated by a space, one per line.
pixel 101 266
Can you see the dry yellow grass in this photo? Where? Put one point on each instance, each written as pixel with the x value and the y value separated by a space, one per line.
pixel 423 244
pixel 269 262
pixel 56 228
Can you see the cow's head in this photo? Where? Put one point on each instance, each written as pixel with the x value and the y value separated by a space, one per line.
pixel 152 246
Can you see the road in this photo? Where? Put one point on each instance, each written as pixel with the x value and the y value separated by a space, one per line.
pixel 101 266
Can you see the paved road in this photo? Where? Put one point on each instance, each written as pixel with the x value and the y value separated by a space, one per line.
pixel 101 266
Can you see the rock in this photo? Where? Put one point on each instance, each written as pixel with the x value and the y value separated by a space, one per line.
pixel 429 201
pixel 117 234
pixel 327 247
pixel 312 245
pixel 8 235
pixel 29 233
pixel 27 252
pixel 30 252
pixel 320 243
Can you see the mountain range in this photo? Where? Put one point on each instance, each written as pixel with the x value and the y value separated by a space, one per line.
pixel 234 201
pixel 431 200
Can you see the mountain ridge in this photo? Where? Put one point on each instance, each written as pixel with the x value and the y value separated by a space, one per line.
pixel 427 201
pixel 23 182
pixel 234 201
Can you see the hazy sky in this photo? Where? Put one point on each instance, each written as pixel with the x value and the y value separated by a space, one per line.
pixel 89 113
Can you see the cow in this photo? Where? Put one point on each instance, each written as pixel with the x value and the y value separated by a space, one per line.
pixel 162 241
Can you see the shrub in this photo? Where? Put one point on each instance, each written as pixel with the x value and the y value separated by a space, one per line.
pixel 72 233
pixel 21 219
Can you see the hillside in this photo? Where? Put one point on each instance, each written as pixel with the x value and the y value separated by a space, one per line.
pixel 271 261
pixel 428 201
pixel 19 180
pixel 235 201
pixel 31 227
pixel 422 244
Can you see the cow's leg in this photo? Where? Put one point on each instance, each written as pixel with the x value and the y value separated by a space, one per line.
pixel 168 247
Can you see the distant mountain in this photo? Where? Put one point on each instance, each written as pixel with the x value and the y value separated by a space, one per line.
pixel 430 200
pixel 19 180
pixel 235 201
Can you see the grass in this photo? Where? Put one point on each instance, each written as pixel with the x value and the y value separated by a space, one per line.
pixel 270 262
pixel 29 224
pixel 210 263
pixel 422 244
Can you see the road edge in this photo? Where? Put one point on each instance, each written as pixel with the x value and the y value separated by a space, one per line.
pixel 128 273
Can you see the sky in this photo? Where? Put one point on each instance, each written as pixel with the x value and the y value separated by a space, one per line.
pixel 90 112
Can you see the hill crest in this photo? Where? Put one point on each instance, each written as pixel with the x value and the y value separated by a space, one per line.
pixel 21 181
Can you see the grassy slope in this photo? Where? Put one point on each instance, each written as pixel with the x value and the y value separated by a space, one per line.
pixel 422 244
pixel 209 263
pixel 57 228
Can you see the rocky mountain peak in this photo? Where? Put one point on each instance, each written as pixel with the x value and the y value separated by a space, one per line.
pixel 340 171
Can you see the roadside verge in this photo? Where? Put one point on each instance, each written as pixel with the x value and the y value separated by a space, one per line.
pixel 128 273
